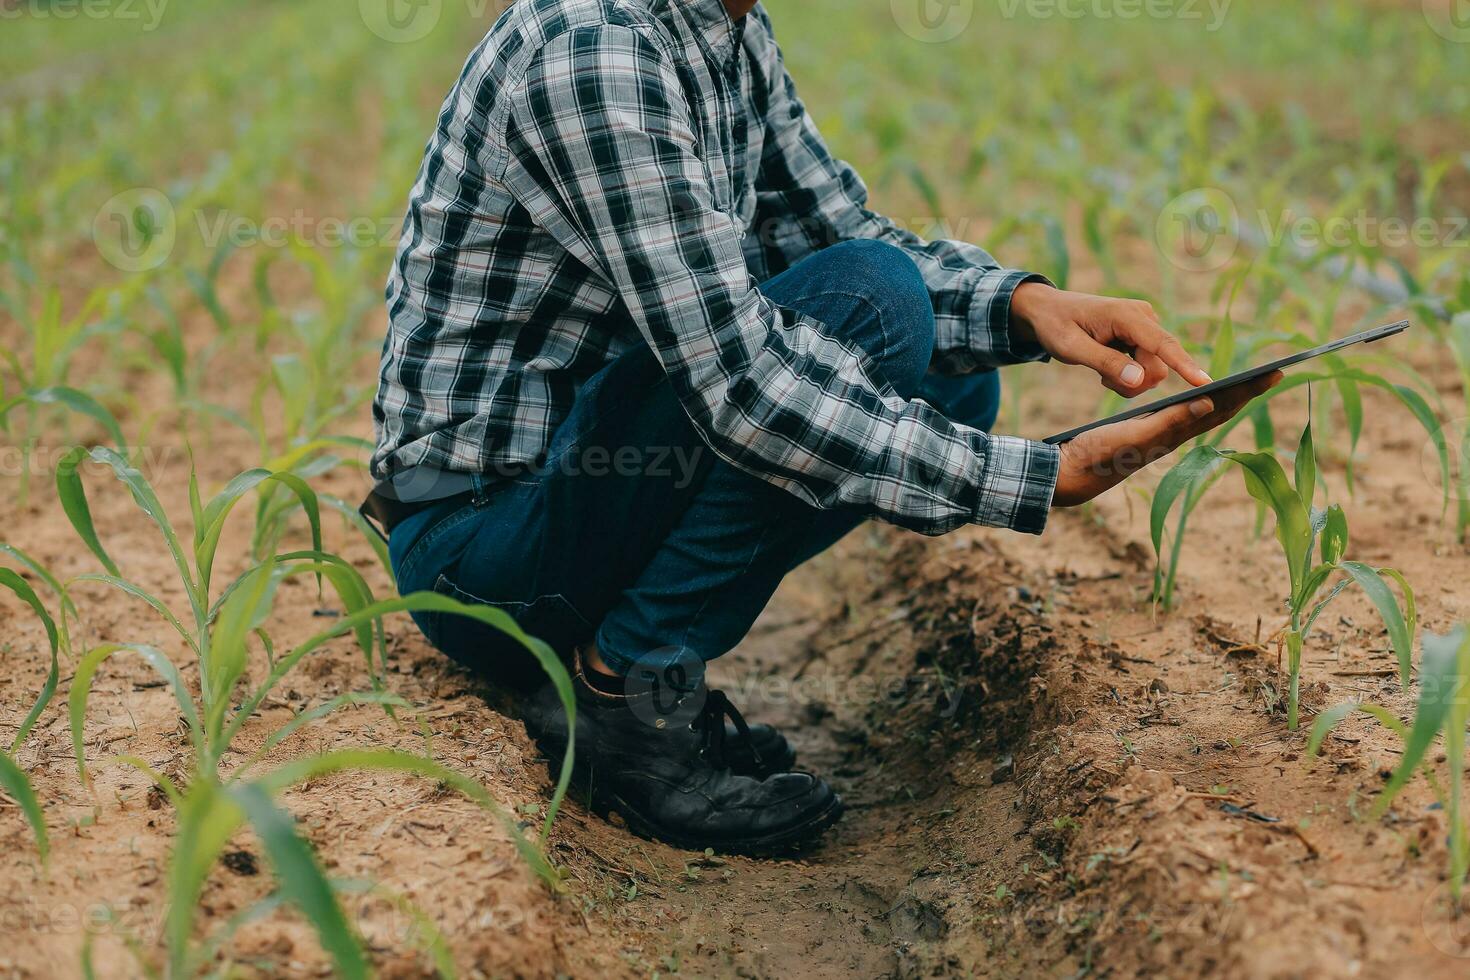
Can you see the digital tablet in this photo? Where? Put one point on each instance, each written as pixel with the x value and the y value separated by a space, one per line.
pixel 1366 337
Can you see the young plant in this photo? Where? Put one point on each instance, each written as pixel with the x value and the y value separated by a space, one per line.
pixel 1443 710
pixel 218 630
pixel 13 778
pixel 1301 530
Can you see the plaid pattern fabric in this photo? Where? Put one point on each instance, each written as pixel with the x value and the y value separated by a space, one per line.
pixel 616 172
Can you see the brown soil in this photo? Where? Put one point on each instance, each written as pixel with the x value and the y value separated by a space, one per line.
pixel 1044 777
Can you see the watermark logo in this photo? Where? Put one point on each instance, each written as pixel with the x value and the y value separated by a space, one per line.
pixel 401 21
pixel 1446 930
pixel 135 231
pixel 1450 19
pixel 1210 14
pixel 664 688
pixel 1199 231
pixel 933 21
pixel 148 13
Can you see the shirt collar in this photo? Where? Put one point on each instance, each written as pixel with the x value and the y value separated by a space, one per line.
pixel 717 31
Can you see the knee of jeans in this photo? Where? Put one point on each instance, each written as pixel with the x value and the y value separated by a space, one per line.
pixel 893 285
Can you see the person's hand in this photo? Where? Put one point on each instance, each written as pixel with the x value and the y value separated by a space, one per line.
pixel 1121 339
pixel 1102 458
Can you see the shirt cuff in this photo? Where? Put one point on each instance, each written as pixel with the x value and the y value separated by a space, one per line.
pixel 1017 485
pixel 991 318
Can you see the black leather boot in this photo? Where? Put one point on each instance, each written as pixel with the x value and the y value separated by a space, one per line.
pixel 665 760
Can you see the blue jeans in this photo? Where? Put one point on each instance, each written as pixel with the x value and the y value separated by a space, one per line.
pixel 634 533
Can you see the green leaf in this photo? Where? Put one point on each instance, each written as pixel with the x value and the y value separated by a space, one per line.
pixel 138 592
pixel 321 711
pixel 147 501
pixel 1196 463
pixel 1440 683
pixel 1266 481
pixel 1334 716
pixel 1334 535
pixel 218 511
pixel 81 690
pixel 313 767
pixel 13 780
pixel 22 588
pixel 1400 631
pixel 245 610
pixel 434 602
pixel 302 881
pixel 74 502
pixel 1306 464
pixel 206 820
pixel 1222 355
pixel 83 404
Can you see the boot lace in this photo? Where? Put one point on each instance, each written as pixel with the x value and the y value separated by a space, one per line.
pixel 710 722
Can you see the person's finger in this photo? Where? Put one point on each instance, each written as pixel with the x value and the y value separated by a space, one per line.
pixel 1232 401
pixel 1145 334
pixel 1155 370
pixel 1118 371
pixel 1161 430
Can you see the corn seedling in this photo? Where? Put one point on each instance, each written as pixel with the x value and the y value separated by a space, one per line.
pixel 1443 711
pixel 218 629
pixel 13 778
pixel 1300 529
pixel 1199 478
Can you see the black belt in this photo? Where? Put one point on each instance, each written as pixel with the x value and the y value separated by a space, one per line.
pixel 388 512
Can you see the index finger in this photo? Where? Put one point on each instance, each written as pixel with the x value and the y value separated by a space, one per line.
pixel 1153 338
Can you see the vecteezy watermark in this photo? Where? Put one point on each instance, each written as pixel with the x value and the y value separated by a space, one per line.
pixel 1210 14
pixel 401 21
pixel 149 13
pixel 665 690
pixel 1199 231
pixel 136 231
pixel 407 21
pixel 1447 929
pixel 39 460
pixel 1363 230
pixel 933 21
pixel 298 227
pixel 1450 19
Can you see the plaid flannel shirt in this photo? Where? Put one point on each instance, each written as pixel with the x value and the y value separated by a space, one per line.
pixel 609 173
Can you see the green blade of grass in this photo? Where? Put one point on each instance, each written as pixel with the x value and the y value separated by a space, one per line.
pixel 206 819
pixel 301 879
pixel 1400 631
pixel 312 767
pixel 218 511
pixel 1439 685
pixel 138 592
pixel 433 602
pixel 1334 535
pixel 74 502
pixel 22 588
pixel 1336 715
pixel 81 690
pixel 315 714
pixel 13 779
pixel 83 404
